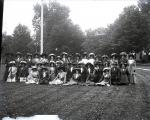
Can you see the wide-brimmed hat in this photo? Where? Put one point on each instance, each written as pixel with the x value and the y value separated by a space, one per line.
pixel 78 55
pixel 91 54
pixel 58 57
pixel 105 56
pixel 23 62
pixel 98 63
pixel 76 69
pixel 52 62
pixel 28 54
pixel 114 55
pixel 125 64
pixel 106 69
pixel 84 54
pixel 131 55
pixel 61 68
pixel 12 62
pixel 123 54
pixel 64 53
pixel 52 54
pixel 39 63
pixel 19 53
pixel 80 63
pixel 59 62
pixel 114 63
pixel 44 68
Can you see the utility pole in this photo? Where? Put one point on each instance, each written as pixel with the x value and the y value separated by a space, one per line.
pixel 41 48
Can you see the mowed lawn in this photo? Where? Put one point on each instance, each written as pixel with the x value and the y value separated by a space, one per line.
pixel 78 102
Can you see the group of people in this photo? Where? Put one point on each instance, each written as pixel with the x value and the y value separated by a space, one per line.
pixel 81 69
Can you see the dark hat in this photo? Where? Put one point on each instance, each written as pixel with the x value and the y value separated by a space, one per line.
pixel 61 68
pixel 44 68
pixel 98 63
pixel 89 64
pixel 36 54
pixel 44 54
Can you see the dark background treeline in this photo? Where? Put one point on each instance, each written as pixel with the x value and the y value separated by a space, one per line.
pixel 130 31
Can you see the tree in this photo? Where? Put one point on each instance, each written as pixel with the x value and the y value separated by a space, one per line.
pixel 129 31
pixel 144 6
pixel 22 39
pixel 95 41
pixel 7 44
pixel 59 31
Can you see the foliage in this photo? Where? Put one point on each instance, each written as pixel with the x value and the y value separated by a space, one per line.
pixel 128 32
pixel 20 40
pixel 59 31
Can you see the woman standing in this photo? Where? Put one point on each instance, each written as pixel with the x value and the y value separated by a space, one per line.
pixel 131 68
pixel 125 76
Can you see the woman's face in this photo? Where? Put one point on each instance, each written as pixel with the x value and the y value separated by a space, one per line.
pixel 131 57
pixel 123 66
pixel 29 57
pixel 77 72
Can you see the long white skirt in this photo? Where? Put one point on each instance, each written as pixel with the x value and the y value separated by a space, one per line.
pixel 56 82
pixel 31 80
pixel 71 82
pixel 9 79
pixel 23 79
pixel 103 83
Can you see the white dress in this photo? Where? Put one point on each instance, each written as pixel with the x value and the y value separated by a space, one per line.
pixel 33 77
pixel 60 79
pixel 92 61
pixel 132 68
pixel 106 79
pixel 12 74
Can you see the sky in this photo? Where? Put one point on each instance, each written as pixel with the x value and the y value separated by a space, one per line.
pixel 88 14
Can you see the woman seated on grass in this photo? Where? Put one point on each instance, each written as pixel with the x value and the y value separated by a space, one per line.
pixel 12 72
pixel 33 76
pixel 60 78
pixel 106 77
pixel 76 76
